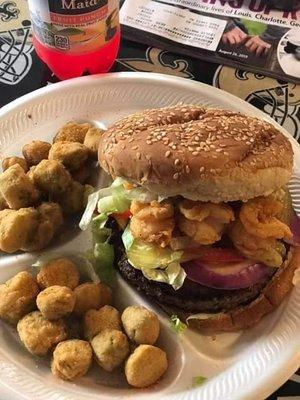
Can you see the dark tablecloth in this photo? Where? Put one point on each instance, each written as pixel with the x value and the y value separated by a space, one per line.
pixel 22 72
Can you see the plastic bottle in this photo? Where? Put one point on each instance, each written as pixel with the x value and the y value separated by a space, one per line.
pixel 76 37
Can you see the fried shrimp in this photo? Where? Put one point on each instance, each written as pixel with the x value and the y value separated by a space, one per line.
pixel 266 250
pixel 204 222
pixel 152 222
pixel 259 218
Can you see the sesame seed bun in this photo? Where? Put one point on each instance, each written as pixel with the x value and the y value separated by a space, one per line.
pixel 201 154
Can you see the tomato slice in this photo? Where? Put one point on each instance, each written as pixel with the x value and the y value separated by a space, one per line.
pixel 213 254
pixel 124 215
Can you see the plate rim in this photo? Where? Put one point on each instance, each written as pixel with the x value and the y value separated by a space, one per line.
pixel 266 386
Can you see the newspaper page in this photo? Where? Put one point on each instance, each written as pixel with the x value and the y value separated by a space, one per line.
pixel 240 33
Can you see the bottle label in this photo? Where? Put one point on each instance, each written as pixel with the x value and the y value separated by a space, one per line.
pixel 74 26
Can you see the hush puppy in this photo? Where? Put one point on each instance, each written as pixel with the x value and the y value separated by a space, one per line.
pixel 71 359
pixel 51 177
pixel 72 154
pixel 16 227
pixel 92 139
pixel 17 297
pixel 55 302
pixel 145 366
pixel 88 296
pixel 110 348
pixel 9 161
pixel 17 189
pixel 72 132
pixel 36 151
pixel 38 334
pixel 61 272
pixel 96 321
pixel 141 325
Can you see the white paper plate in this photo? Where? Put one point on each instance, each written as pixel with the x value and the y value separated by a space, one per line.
pixel 243 365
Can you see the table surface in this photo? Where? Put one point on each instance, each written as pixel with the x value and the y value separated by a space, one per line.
pixel 22 72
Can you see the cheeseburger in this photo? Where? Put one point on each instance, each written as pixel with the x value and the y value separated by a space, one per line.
pixel 200 212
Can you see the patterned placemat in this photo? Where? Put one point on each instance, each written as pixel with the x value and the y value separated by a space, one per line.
pixel 22 72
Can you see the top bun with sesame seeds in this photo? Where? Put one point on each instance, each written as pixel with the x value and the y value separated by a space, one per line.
pixel 198 153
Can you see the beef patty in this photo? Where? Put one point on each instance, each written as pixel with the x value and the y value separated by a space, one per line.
pixel 191 297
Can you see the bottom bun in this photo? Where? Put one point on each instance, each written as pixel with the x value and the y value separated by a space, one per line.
pixel 246 316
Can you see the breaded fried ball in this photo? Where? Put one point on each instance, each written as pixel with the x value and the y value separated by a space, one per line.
pixel 145 366
pixel 52 212
pixel 36 151
pixel 17 297
pixel 3 203
pixel 72 154
pixel 61 271
pixel 9 161
pixel 92 139
pixel 72 132
pixel 16 227
pixel 40 237
pixel 51 177
pixel 110 348
pixel 96 321
pixel 106 296
pixel 82 174
pixel 88 296
pixel 56 302
pixel 71 200
pixel 40 335
pixel 71 359
pixel 17 189
pixel 141 325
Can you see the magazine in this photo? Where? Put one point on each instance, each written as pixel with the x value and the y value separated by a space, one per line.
pixel 242 33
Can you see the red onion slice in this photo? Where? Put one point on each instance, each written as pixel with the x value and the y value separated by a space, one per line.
pixel 226 275
pixel 295 228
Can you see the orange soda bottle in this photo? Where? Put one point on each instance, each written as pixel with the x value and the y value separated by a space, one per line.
pixel 76 37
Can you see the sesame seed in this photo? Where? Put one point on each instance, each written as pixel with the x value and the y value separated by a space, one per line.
pixel 134 147
pixel 138 156
pixel 167 153
pixel 174 147
pixel 176 176
pixel 177 161
pixel 195 153
pixel 187 169
pixel 201 169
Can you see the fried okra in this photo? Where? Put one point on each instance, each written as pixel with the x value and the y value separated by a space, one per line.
pixel 52 212
pixel 72 132
pixel 61 271
pixel 36 151
pixel 72 200
pixel 72 155
pixel 51 177
pixel 40 335
pixel 145 366
pixel 92 139
pixel 71 359
pixel 17 189
pixel 96 321
pixel 141 325
pixel 55 302
pixel 9 161
pixel 17 297
pixel 88 296
pixel 16 227
pixel 110 348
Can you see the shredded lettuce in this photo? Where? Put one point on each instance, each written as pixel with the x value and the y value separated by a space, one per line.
pixel 173 275
pixel 176 325
pixel 198 381
pixel 157 264
pixel 114 199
